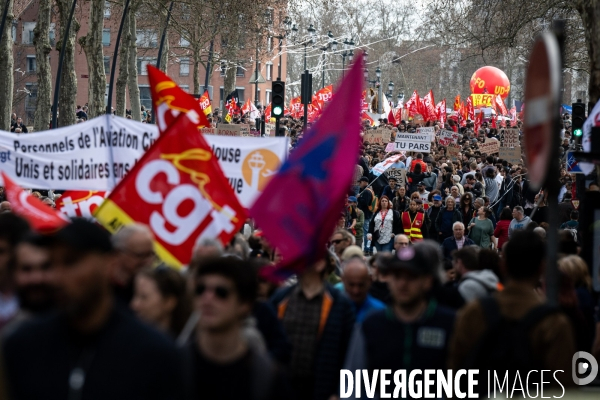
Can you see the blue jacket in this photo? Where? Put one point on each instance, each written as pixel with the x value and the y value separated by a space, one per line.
pixel 333 343
pixel 449 245
pixel 370 304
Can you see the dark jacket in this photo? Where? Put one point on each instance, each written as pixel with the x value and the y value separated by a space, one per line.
pixel 333 343
pixel 456 217
pixel 416 178
pixel 399 204
pixel 477 189
pixel 468 215
pixel 365 198
pixel 449 245
pixel 432 213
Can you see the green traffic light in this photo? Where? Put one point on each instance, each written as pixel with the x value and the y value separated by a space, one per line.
pixel 277 111
pixel 577 132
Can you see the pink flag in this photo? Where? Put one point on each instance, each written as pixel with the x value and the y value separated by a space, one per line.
pixel 301 205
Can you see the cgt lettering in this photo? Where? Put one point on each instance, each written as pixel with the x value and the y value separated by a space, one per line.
pixel 5 156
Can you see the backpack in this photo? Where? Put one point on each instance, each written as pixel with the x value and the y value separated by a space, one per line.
pixel 505 345
pixel 374 201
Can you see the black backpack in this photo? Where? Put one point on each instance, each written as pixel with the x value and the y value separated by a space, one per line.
pixel 505 345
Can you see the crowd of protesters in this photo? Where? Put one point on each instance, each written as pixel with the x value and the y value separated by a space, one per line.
pixel 417 275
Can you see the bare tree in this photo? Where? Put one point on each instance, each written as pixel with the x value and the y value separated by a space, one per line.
pixel 123 66
pixel 41 40
pixel 68 85
pixel 132 78
pixel 6 71
pixel 92 45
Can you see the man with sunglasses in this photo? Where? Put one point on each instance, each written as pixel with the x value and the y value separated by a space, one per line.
pixel 91 348
pixel 135 251
pixel 221 363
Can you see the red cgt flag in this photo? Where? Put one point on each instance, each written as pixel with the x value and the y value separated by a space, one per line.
pixel 40 216
pixel 457 102
pixel 470 109
pixel 80 203
pixel 413 104
pixel 170 100
pixel 179 190
pixel 204 102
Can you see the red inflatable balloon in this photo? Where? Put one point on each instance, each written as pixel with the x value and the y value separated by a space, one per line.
pixel 490 80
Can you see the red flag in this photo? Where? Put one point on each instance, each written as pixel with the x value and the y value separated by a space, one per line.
pixel 296 107
pixel 268 113
pixel 478 122
pixel 80 203
pixel 513 116
pixel 494 123
pixel 247 107
pixel 204 101
pixel 440 111
pixel 365 116
pixel 457 102
pixel 413 104
pixel 501 106
pixel 365 103
pixel 391 118
pixel 470 109
pixel 170 100
pixel 321 167
pixel 179 190
pixel 41 217
pixel 429 107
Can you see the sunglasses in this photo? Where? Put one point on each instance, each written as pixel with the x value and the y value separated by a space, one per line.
pixel 337 241
pixel 221 292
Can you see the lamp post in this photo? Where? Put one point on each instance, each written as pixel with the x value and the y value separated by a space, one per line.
pixel 311 31
pixel 378 74
pixel 348 52
pixel 286 25
pixel 333 45
pixel 306 81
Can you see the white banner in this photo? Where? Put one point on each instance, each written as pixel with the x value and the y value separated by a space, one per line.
pixel 248 163
pixel 96 155
pixel 412 142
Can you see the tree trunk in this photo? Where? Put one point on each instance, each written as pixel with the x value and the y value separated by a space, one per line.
pixel 121 101
pixel 68 80
pixel 41 40
pixel 590 12
pixel 92 45
pixel 163 62
pixel 230 79
pixel 132 79
pixel 196 65
pixel 6 70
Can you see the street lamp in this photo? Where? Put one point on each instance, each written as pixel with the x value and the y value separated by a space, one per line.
pixel 379 96
pixel 333 44
pixel 348 52
pixel 311 31
pixel 287 29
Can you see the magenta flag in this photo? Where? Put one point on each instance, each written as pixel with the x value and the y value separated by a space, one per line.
pixel 301 205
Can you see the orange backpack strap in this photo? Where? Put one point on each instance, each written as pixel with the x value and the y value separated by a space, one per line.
pixel 281 307
pixel 325 310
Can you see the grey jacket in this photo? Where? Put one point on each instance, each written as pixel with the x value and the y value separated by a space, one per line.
pixel 477 284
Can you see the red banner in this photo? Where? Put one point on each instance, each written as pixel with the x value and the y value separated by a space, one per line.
pixel 80 203
pixel 500 106
pixel 440 110
pixel 179 190
pixel 41 217
pixel 457 102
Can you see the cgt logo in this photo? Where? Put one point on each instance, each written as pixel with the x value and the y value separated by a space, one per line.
pixel 583 364
pixel 5 156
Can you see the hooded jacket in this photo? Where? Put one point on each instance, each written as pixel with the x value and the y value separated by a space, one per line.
pixel 518 225
pixel 477 284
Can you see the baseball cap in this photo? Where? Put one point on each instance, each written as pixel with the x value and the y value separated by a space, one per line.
pixel 83 236
pixel 352 199
pixel 437 197
pixel 421 183
pixel 413 259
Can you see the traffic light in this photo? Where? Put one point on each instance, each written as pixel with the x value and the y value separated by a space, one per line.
pixel 578 119
pixel 278 102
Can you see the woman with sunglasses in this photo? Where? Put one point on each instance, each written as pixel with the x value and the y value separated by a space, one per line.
pixel 466 208
pixel 161 299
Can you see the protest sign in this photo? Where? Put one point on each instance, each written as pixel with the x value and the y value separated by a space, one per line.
pixel 429 131
pixel 377 136
pixel 93 155
pixel 447 137
pixel 208 131
pixel 412 142
pixel 232 130
pixel 399 174
pixel 453 151
pixel 490 146
pixel 511 154
pixel 510 138
pixel 385 164
pixel 270 129
pixel 389 147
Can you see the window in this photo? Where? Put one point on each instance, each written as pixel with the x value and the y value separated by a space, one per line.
pixel 270 44
pixel 28 28
pixel 185 12
pixel 31 98
pixel 106 65
pixel 184 66
pixel 270 16
pixel 240 71
pixel 106 9
pixel 142 64
pixel 145 96
pixel 14 32
pixel 210 90
pixel 31 65
pixel 185 88
pixel 267 97
pixel 106 37
pixel 269 72
pixel 146 38
pixel 52 34
pixel 183 42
